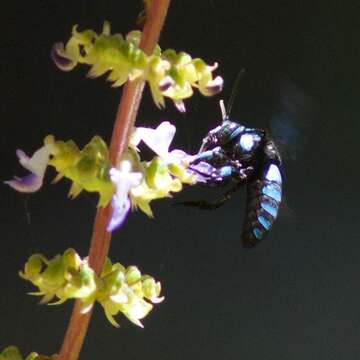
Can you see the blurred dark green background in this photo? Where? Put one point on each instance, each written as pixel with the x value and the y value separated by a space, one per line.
pixel 295 296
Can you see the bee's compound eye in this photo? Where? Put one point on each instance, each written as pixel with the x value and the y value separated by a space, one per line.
pixel 249 141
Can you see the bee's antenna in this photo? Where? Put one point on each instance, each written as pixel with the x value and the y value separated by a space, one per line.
pixel 224 115
pixel 234 91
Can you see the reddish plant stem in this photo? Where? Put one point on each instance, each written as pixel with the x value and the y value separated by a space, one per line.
pixel 124 122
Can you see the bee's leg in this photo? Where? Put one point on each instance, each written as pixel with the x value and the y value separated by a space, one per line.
pixel 215 155
pixel 203 205
pixel 213 168
pixel 226 173
pixel 207 205
pixel 219 178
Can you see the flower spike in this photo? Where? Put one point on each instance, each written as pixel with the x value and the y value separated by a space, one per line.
pixel 117 289
pixel 169 74
pixel 132 184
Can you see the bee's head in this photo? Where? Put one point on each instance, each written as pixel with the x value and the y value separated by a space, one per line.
pixel 221 135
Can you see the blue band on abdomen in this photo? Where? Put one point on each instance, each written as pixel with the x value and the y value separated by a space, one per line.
pixel 272 190
pixel 269 208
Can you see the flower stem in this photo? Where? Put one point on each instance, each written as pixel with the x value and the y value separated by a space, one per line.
pixel 124 122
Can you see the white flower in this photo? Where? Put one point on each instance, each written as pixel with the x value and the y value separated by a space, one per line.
pixel 124 179
pixel 159 140
pixel 36 165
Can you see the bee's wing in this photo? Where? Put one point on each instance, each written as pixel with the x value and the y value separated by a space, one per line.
pixel 293 118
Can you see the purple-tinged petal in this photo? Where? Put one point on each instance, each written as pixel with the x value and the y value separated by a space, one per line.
pixel 166 83
pixel 23 158
pixel 157 300
pixel 180 105
pixel 28 183
pixel 120 210
pixel 213 67
pixel 60 59
pixel 214 86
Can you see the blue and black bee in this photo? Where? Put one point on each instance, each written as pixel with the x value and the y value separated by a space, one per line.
pixel 237 155
pixel 233 153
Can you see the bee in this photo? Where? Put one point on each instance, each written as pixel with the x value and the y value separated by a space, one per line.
pixel 242 156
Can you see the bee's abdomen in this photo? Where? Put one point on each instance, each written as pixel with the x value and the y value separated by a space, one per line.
pixel 263 201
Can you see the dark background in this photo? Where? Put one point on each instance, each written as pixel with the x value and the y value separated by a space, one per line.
pixel 296 295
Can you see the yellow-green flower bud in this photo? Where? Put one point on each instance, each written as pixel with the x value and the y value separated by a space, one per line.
pixel 33 266
pixel 71 259
pixel 132 275
pixel 13 353
pixel 88 168
pixel 118 289
pixel 151 289
pixel 169 74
